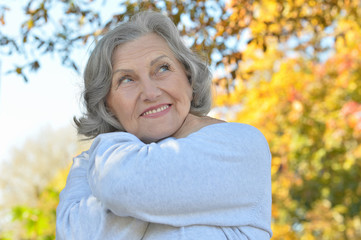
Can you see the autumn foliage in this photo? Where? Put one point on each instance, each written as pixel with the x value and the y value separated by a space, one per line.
pixel 293 70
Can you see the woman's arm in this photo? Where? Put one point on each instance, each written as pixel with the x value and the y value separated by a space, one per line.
pixel 218 176
pixel 81 216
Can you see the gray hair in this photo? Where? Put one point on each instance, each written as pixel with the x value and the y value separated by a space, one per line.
pixel 98 72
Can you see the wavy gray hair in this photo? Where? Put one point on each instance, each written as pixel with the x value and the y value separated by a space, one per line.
pixel 98 72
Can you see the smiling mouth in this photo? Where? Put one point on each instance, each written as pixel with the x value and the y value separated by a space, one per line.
pixel 156 110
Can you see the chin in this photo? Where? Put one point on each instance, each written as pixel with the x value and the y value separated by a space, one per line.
pixel 155 137
pixel 150 140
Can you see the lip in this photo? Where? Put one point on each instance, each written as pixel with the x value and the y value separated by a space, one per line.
pixel 157 114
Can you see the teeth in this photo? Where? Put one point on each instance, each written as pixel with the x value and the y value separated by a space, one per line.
pixel 156 110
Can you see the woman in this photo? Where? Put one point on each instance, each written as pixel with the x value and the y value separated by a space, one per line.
pixel 159 168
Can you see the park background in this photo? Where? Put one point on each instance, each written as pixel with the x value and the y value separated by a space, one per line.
pixel 290 68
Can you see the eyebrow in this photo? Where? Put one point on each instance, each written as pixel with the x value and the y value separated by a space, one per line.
pixel 125 71
pixel 154 61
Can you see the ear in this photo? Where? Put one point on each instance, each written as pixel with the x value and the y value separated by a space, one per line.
pixel 108 109
pixel 190 92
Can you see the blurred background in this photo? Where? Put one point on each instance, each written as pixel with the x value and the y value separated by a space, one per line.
pixel 290 68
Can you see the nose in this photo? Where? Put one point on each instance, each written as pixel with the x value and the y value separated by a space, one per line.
pixel 150 90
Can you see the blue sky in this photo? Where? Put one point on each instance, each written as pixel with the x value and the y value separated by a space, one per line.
pixel 49 99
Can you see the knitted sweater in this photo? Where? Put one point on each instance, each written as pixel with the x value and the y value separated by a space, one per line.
pixel 213 184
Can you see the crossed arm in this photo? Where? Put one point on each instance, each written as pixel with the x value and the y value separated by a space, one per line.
pixel 211 177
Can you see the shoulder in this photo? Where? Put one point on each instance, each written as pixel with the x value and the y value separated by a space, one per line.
pixel 236 136
pixel 233 130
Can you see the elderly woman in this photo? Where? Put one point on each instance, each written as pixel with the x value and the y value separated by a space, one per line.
pixel 158 168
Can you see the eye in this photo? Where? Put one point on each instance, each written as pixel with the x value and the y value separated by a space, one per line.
pixel 164 67
pixel 125 80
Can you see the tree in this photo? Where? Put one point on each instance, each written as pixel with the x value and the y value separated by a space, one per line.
pixel 38 221
pixel 309 108
pixel 31 181
pixel 310 115
pixel 211 27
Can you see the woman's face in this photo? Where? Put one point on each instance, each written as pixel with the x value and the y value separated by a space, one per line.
pixel 150 93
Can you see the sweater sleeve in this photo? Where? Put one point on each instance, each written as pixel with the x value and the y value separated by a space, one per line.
pixel 217 176
pixel 81 216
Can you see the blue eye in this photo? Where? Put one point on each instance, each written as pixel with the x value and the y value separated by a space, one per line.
pixel 164 68
pixel 125 79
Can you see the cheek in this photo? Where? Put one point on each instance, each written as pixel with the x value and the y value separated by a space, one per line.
pixel 184 93
pixel 116 105
pixel 187 89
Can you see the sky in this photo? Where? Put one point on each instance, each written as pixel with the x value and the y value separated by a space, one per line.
pixel 50 99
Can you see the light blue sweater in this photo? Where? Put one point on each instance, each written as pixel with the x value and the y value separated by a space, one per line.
pixel 213 184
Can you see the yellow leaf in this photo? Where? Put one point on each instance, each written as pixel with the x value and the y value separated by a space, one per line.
pixel 2 20
pixel 30 23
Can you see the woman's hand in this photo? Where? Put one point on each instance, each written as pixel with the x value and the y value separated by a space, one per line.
pixel 193 123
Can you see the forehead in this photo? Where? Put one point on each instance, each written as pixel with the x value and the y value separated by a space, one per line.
pixel 143 48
